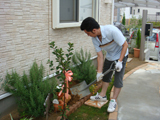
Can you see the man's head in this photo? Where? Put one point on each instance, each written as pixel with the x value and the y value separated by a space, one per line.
pixel 90 26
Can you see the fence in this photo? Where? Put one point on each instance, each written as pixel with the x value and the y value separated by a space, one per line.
pixel 153 17
pixel 150 18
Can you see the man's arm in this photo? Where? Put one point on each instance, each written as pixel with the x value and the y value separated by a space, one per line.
pixel 123 52
pixel 100 61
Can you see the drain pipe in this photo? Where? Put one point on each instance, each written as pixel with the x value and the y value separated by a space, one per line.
pixel 112 12
pixel 118 14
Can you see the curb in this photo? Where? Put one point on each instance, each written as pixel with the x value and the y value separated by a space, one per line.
pixel 114 115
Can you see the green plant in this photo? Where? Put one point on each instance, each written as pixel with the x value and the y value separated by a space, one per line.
pixel 62 67
pixel 30 91
pixel 26 119
pixel 92 88
pixel 124 19
pixel 135 23
pixel 138 39
pixel 155 24
pixel 21 118
pixel 92 113
pixel 83 68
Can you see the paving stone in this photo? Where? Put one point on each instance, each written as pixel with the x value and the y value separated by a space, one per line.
pixel 113 116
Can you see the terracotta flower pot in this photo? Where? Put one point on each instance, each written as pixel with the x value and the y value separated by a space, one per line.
pixel 59 107
pixel 136 52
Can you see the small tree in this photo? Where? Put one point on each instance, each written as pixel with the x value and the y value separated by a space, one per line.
pixel 124 19
pixel 138 39
pixel 62 67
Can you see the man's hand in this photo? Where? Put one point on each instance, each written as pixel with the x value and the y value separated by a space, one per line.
pixel 119 66
pixel 99 76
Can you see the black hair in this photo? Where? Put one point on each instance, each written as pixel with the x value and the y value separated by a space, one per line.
pixel 89 24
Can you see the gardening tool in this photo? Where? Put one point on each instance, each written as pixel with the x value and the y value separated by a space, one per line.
pixel 82 89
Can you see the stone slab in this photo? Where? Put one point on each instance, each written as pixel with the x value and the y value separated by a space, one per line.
pixel 96 104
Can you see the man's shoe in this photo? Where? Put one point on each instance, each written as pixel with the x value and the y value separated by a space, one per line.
pixel 112 105
pixel 97 97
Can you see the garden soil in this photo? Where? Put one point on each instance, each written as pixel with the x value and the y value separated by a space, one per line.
pixel 52 116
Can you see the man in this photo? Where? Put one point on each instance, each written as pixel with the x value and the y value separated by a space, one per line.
pixel 110 39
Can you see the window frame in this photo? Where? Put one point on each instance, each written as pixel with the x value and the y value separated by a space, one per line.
pixel 157 13
pixel 56 15
pixel 134 12
pixel 130 10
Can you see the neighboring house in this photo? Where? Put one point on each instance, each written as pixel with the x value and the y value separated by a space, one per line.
pixel 153 14
pixel 27 27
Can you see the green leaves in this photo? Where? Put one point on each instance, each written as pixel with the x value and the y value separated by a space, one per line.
pixel 135 23
pixel 63 64
pixel 138 39
pixel 124 19
pixel 63 61
pixel 30 90
pixel 84 69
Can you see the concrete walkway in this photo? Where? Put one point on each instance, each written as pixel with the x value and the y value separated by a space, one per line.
pixel 140 97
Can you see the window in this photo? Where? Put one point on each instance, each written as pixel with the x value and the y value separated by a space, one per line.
pixel 138 10
pixel 153 37
pixel 133 12
pixel 158 13
pixel 130 10
pixel 70 13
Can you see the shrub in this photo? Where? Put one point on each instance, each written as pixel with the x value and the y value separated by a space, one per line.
pixel 135 23
pixel 124 19
pixel 138 39
pixel 30 91
pixel 84 69
pixel 155 24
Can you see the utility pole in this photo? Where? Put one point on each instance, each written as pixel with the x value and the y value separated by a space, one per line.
pixel 144 21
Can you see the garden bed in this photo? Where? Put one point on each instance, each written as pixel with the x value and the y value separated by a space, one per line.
pixel 130 65
pixel 80 102
pixel 73 105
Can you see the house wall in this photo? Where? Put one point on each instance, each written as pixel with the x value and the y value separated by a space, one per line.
pixel 126 10
pixel 25 34
pixel 105 13
pixel 115 15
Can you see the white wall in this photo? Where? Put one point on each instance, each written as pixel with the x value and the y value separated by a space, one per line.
pixel 128 15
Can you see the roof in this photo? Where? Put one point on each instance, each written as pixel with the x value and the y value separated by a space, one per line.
pixel 137 3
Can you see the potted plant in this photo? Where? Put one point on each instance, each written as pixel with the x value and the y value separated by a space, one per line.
pixel 133 27
pixel 138 43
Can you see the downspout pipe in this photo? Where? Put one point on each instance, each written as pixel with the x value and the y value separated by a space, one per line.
pixel 112 12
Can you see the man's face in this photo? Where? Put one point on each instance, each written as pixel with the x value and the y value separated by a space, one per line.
pixel 91 34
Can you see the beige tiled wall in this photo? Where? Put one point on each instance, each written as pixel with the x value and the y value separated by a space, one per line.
pixel 25 32
pixel 105 13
